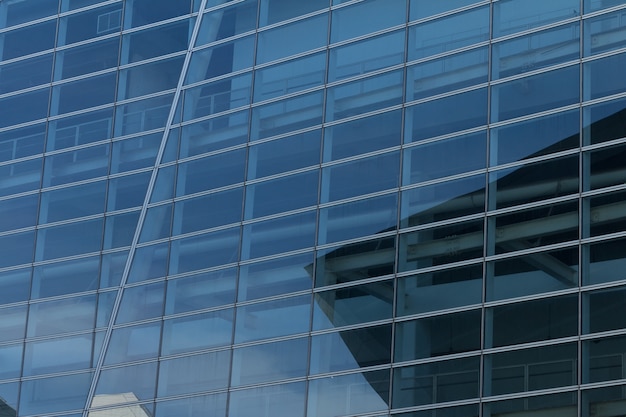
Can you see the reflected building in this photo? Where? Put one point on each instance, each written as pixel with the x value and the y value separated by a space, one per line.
pixel 316 208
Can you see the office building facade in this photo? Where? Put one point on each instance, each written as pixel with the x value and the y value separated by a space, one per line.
pixel 316 208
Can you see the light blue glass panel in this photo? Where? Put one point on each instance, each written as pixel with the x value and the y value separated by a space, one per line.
pixel 157 223
pixel 28 40
pixel 22 142
pixel 17 249
pixel 274 277
pixel 290 77
pixel 361 218
pixel 363 135
pixel 18 212
pixel 11 359
pixel 272 11
pixel 601 79
pixel 149 262
pixel 434 118
pixel 605 32
pixel 285 154
pixel 446 74
pixel 90 24
pixel 84 59
pixel 58 355
pixel 68 277
pixel 211 172
pixel 240 17
pixel 449 33
pixel 518 15
pixel 213 405
pixel 282 194
pixel 105 308
pixel 535 51
pixel 164 185
pixel 269 362
pixel 141 303
pixel 363 176
pixel 138 381
pixel 364 95
pixel 592 5
pixel 221 59
pixel 13 324
pixel 596 117
pixel 120 229
pixel 112 268
pixel 134 343
pixel 197 292
pixel 26 73
pixel 62 316
pixel 69 239
pixel 348 22
pixel 208 211
pixel 156 41
pixel 205 251
pixel 128 191
pixel 359 393
pixel 144 12
pixel 285 400
pixel 189 374
pixel 76 165
pixel 461 154
pixel 24 107
pixel 197 332
pixel 368 55
pixel 22 11
pixel 420 9
pixel 80 130
pixel 270 319
pixel 59 393
pixel 149 78
pixel 14 286
pixel 287 115
pixel 68 203
pixel 139 116
pixel 278 235
pixel 292 38
pixel 217 133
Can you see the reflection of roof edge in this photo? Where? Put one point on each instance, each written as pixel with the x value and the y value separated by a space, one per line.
pixel 5 409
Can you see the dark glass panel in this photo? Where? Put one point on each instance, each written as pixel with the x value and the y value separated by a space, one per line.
pixel 128 191
pixel 603 359
pixel 605 166
pixel 603 77
pixel 607 262
pixel 604 122
pixel 598 398
pixel 563 404
pixel 604 310
pixel 605 214
pixel 471 410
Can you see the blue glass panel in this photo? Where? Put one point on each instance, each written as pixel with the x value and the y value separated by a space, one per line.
pixel 148 11
pixel 26 73
pixel 149 78
pixel 228 21
pixel 201 291
pixel 112 268
pixel 141 303
pixel 364 95
pixel 62 316
pixel 285 154
pixel 69 239
pixel 605 32
pixel 278 235
pixel 292 38
pixel 120 229
pixel 156 41
pixel 369 55
pixel 68 203
pixel 58 355
pixel 208 211
pixel 434 118
pixel 221 59
pixel 446 74
pixel 461 154
pixel 289 77
pixel 211 172
pixel 421 9
pixel 591 5
pixel 139 116
pixel 135 153
pixel 23 11
pixel 273 11
pixel 213 405
pixel 18 212
pixel 363 176
pixel 273 319
pixel 197 332
pixel 347 22
pixel 361 218
pixel 128 191
pixel 157 223
pixel 285 400
pixel 217 133
pixel 535 51
pixel 149 262
pixel 13 324
pixel 16 249
pixel 79 130
pixel 24 107
pixel 14 286
pixel 269 362
pixel 274 277
pixel 28 40
pixel 164 185
pixel 22 142
pixel 449 33
pixel 11 359
pixel 82 94
pixel 90 24
pixel 217 96
pixel 602 122
pixel 287 115
pixel 518 15
pixel 76 165
pixel 601 77
pixel 68 277
pixel 282 194
pixel 134 343
pixel 138 380
pixel 105 308
pixel 189 374
pixel 206 251
pixel 59 393
pixel 84 59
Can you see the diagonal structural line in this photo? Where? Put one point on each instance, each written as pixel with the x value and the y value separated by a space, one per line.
pixel 142 215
